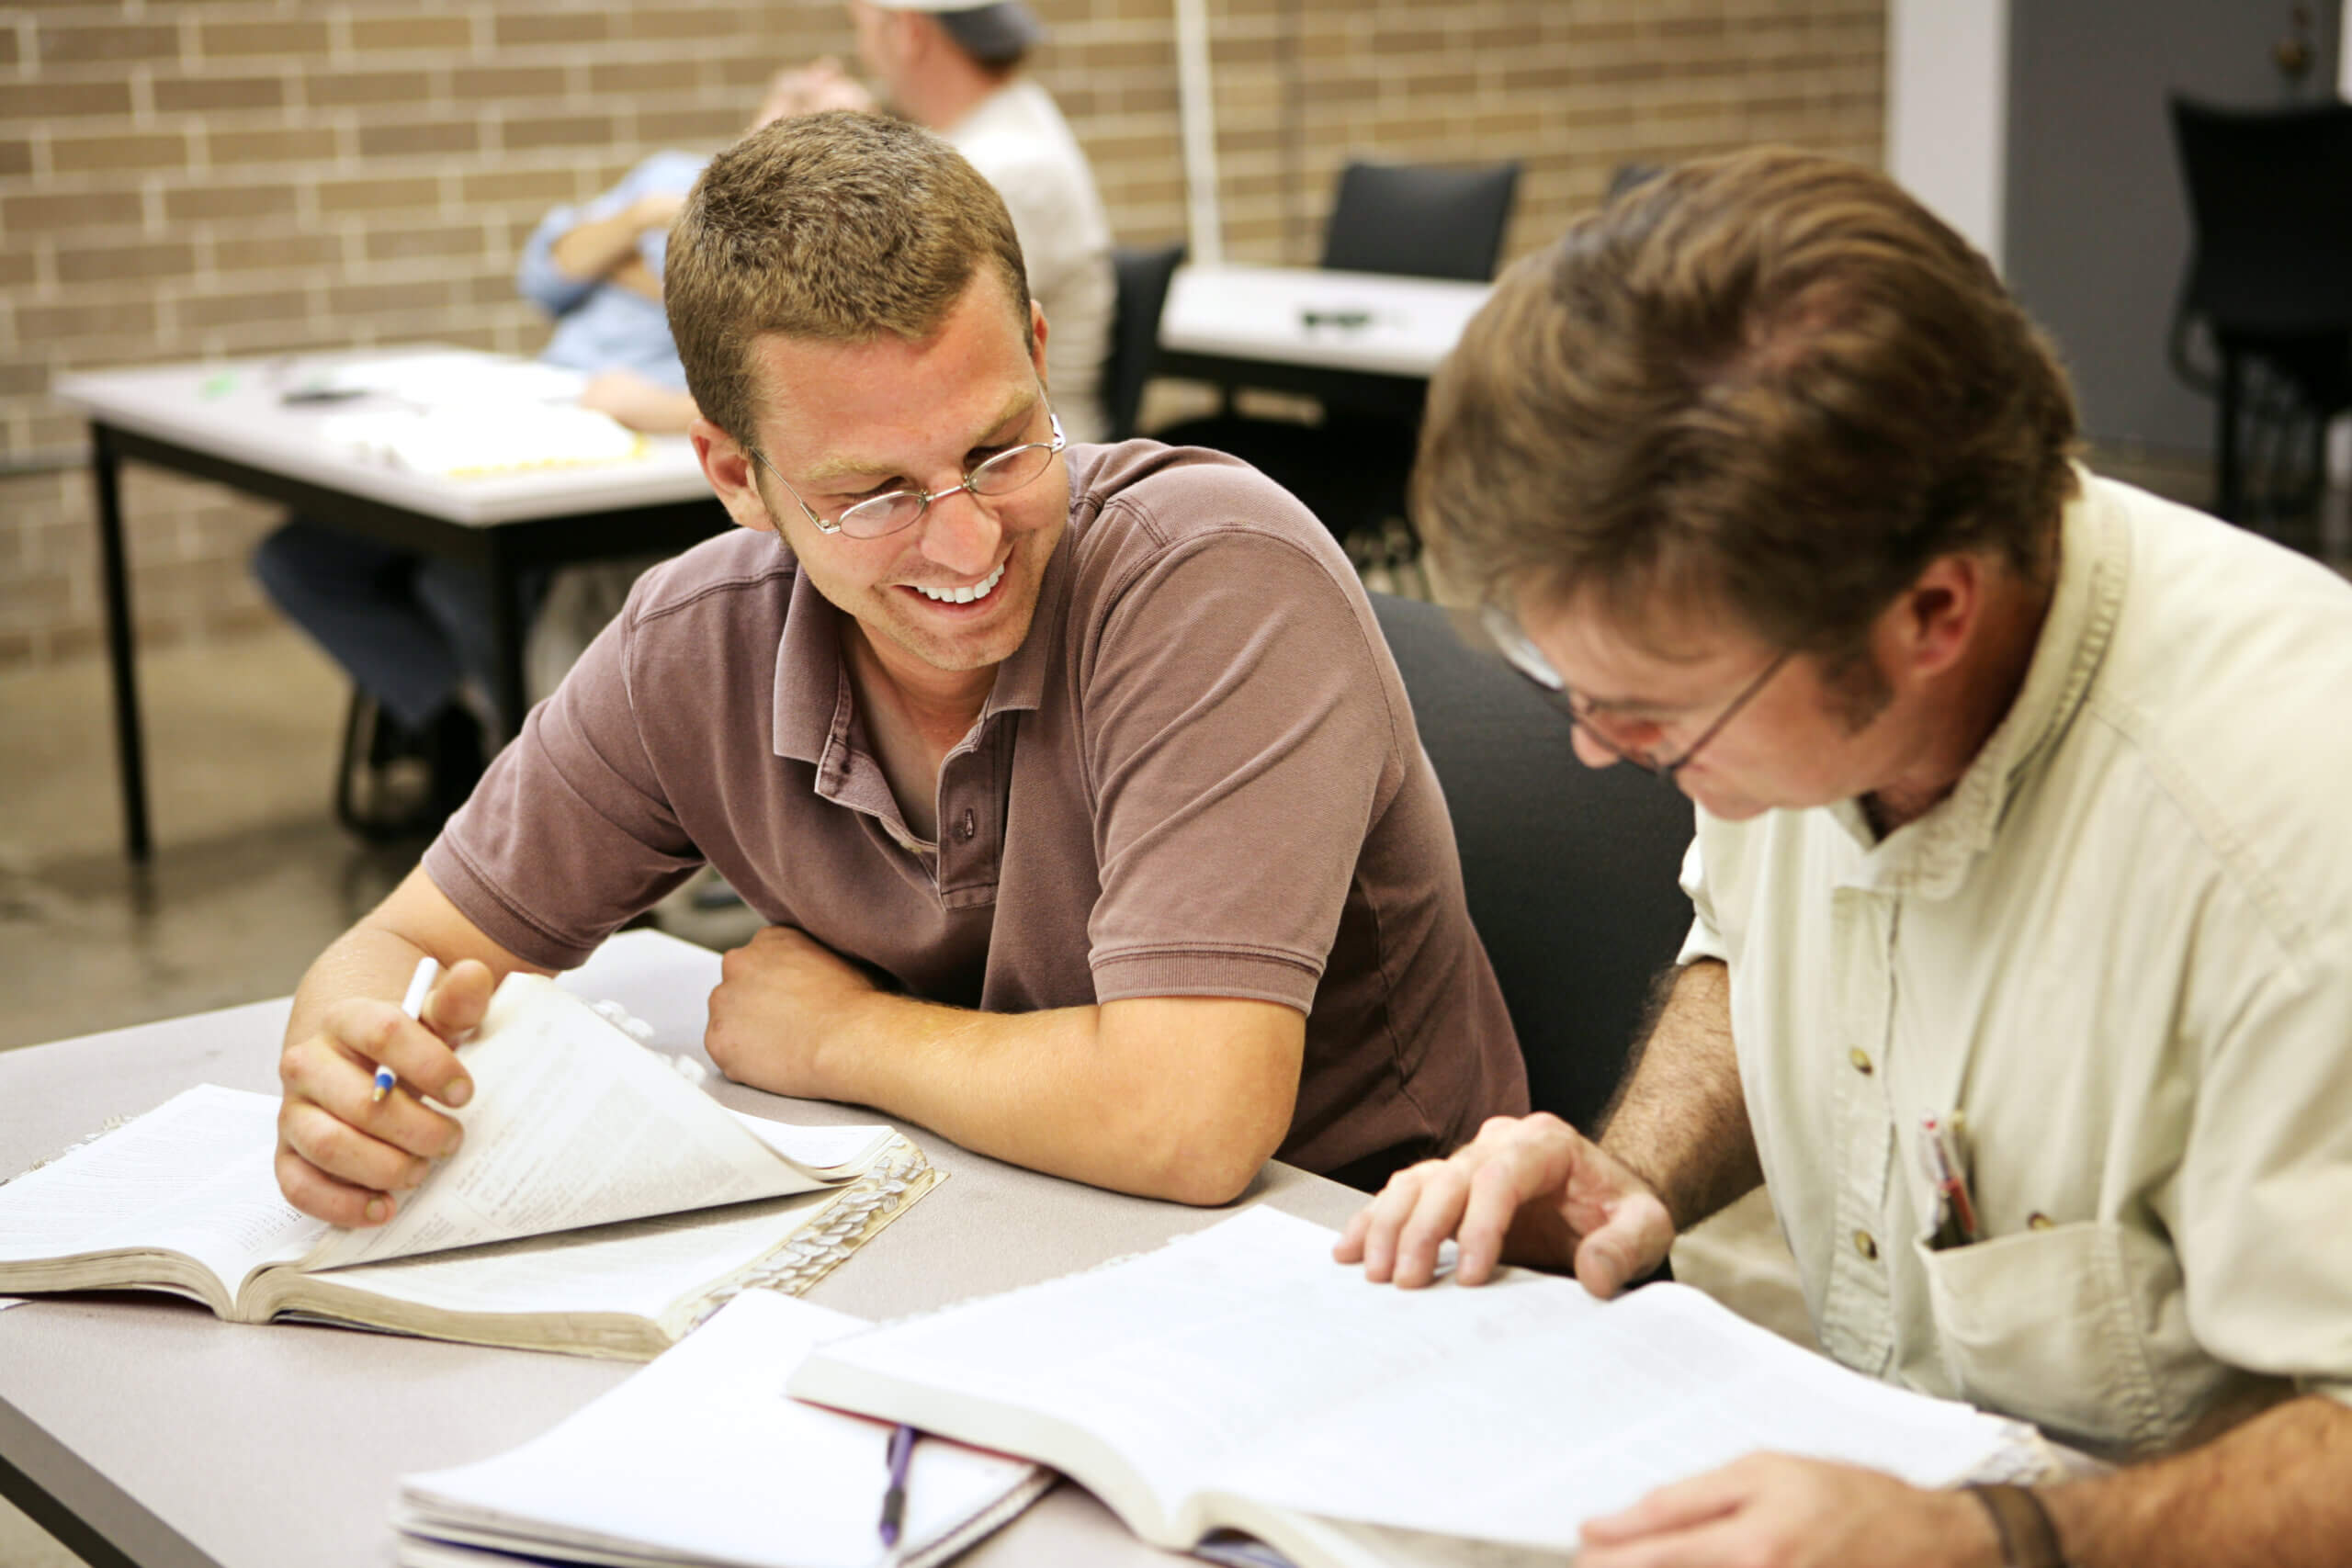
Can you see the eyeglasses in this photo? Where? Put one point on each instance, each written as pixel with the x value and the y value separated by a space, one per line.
pixel 1520 651
pixel 895 510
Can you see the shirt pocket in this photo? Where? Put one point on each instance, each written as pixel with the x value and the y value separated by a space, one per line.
pixel 2041 1325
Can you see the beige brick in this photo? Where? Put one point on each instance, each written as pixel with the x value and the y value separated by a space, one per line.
pixel 549 27
pixel 565 130
pixel 48 323
pixel 44 213
pixel 507 81
pixel 66 43
pixel 228 201
pixel 16 156
pixel 634 77
pixel 545 185
pixel 378 299
pixel 270 253
pixel 231 147
pixel 430 136
pixel 151 150
pixel 664 23
pixel 453 240
pixel 671 127
pixel 57 100
pixel 340 89
pixel 225 39
pixel 378 194
pixel 18 268
pixel 105 264
pixel 199 311
pixel 369 34
pixel 8 46
pixel 199 94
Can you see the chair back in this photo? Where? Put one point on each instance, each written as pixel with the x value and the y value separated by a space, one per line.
pixel 1420 221
pixel 1571 872
pixel 2270 212
pixel 1142 275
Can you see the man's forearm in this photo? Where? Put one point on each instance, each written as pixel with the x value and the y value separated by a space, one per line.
pixel 1680 1120
pixel 2270 1493
pixel 1083 1092
pixel 592 250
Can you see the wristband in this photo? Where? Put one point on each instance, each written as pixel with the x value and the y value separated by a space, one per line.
pixel 2022 1526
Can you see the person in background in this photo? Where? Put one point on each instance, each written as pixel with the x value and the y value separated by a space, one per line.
pixel 2021 965
pixel 414 630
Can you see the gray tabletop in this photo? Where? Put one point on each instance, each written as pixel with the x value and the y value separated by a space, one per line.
pixel 189 1442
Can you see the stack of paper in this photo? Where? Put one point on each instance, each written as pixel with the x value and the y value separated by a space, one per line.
pixel 467 440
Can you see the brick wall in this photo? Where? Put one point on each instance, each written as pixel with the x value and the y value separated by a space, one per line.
pixel 249 177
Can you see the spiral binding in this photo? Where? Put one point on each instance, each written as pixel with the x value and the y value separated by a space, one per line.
pixel 813 1251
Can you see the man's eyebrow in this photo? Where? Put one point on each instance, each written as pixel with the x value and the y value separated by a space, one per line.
pixel 832 471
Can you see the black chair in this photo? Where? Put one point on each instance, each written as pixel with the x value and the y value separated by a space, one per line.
pixel 1571 872
pixel 1403 219
pixel 1142 275
pixel 2269 281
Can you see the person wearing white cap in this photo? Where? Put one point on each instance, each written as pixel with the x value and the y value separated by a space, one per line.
pixel 955 68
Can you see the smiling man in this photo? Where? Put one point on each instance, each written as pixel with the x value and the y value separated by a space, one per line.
pixel 2021 970
pixel 1075 782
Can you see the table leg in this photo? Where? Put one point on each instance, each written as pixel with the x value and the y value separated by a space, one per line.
pixel 106 480
pixel 506 632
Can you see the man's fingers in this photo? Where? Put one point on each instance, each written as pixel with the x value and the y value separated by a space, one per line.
pixel 340 1085
pixel 454 1010
pixel 1681 1506
pixel 321 1196
pixel 343 1153
pixel 1497 1189
pixel 1385 1215
pixel 1632 1244
pixel 1349 1249
pixel 1436 1216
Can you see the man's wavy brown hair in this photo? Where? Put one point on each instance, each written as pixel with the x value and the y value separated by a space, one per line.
pixel 1771 383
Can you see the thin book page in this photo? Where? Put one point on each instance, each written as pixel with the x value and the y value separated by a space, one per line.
pixel 1243 1361
pixel 701 1457
pixel 573 1123
pixel 192 1177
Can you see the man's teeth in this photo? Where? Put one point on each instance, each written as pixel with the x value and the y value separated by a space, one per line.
pixel 968 593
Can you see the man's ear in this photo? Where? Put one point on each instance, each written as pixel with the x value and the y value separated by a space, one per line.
pixel 1037 341
pixel 733 477
pixel 1942 613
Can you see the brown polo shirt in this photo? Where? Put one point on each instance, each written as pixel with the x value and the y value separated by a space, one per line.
pixel 1197 776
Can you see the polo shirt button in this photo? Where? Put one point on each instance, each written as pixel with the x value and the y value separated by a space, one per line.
pixel 1861 1060
pixel 1866 1245
pixel 970 825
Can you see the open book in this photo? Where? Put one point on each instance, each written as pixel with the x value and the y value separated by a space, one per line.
pixel 665 1201
pixel 702 1458
pixel 1239 1379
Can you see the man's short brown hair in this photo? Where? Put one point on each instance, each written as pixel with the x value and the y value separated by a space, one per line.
pixel 834 227
pixel 1770 382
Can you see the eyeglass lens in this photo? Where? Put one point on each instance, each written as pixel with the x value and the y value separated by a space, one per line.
pixel 999 475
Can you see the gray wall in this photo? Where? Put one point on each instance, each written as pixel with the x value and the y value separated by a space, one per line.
pixel 2098 228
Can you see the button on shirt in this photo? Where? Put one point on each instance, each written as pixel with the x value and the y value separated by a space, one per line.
pixel 1196 776
pixel 2122 949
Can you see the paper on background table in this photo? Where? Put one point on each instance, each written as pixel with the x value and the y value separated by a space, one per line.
pixel 702 1458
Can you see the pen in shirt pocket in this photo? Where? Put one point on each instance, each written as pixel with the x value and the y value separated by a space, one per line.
pixel 1946 1173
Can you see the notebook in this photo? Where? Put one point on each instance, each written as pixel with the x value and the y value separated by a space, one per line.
pixel 1239 1378
pixel 702 1458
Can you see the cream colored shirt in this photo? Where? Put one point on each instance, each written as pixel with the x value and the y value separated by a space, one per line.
pixel 1018 139
pixel 2122 948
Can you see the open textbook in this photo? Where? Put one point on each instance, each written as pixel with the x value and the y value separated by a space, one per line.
pixel 702 1458
pixel 1239 1379
pixel 600 1202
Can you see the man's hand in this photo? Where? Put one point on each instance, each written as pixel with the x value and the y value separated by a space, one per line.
pixel 1772 1511
pixel 343 1156
pixel 1527 1190
pixel 638 404
pixel 779 998
pixel 820 85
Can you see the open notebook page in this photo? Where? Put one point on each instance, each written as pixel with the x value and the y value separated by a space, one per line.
pixel 702 1458
pixel 1243 1359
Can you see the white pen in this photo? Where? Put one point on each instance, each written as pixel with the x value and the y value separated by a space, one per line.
pixel 420 987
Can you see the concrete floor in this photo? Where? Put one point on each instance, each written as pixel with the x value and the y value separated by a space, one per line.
pixel 252 876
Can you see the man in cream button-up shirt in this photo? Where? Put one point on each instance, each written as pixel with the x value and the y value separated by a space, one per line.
pixel 2021 969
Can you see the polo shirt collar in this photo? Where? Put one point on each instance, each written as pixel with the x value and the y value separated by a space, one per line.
pixel 1932 856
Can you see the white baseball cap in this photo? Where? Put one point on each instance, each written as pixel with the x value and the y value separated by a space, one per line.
pixel 989 33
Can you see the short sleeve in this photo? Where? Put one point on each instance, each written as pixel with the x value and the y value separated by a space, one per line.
pixel 1239 740
pixel 1705 942
pixel 570 834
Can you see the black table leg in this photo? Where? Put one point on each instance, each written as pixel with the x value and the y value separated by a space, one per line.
pixel 106 480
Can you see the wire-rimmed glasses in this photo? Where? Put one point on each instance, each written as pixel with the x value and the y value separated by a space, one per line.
pixel 893 511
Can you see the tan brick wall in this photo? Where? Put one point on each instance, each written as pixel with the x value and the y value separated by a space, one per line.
pixel 256 177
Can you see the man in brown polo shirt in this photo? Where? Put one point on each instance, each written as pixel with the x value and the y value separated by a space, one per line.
pixel 1076 783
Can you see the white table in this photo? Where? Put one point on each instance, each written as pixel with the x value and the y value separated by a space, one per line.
pixel 1309 318
pixel 228 422
pixel 142 1431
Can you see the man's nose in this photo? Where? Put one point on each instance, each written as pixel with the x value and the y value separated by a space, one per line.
pixel 961 533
